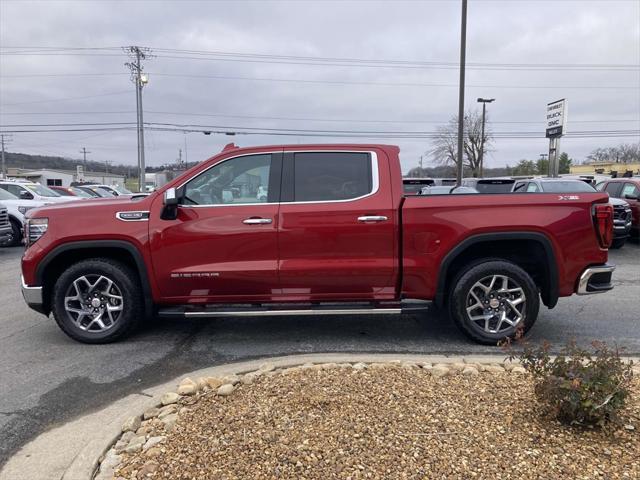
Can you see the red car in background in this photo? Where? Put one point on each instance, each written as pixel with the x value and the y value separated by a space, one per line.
pixel 627 189
pixel 70 192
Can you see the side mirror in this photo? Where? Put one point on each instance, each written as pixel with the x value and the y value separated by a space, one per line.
pixel 170 197
pixel 171 201
pixel 631 197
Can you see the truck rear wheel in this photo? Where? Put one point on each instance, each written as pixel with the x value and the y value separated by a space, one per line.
pixel 97 301
pixel 492 300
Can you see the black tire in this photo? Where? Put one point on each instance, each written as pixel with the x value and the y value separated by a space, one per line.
pixel 16 235
pixel 460 298
pixel 124 279
pixel 618 243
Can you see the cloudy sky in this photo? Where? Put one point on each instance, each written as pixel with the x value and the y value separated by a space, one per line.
pixel 363 66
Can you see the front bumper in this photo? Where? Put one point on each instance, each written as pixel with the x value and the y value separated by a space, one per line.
pixel 596 279
pixel 6 234
pixel 33 297
pixel 621 229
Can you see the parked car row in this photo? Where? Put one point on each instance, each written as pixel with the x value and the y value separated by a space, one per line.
pixel 17 197
pixel 623 194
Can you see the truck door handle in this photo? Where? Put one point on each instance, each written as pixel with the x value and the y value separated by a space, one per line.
pixel 257 221
pixel 373 218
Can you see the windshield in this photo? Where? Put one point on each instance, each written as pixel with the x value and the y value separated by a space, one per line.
pixel 566 187
pixel 40 190
pixel 80 193
pixel 122 190
pixel 4 195
pixel 494 186
pixel 104 190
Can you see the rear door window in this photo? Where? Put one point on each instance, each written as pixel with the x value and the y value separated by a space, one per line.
pixel 630 189
pixel 331 176
pixel 613 189
pixel 532 187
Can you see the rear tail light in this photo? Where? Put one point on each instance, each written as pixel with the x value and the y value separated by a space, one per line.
pixel 603 221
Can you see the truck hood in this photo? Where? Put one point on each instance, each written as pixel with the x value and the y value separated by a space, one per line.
pixel 618 201
pixel 99 205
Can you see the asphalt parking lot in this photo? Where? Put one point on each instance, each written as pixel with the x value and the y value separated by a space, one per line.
pixel 47 378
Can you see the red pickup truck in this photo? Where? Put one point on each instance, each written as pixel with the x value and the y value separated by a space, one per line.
pixel 311 230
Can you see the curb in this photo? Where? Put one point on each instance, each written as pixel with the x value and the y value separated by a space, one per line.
pixel 97 432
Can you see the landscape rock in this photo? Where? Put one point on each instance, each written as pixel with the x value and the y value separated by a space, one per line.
pixel 187 387
pixel 131 424
pixel 214 382
pixel 151 413
pixel 153 441
pixel 267 367
pixel 226 389
pixel 468 370
pixel 359 366
pixel 170 398
pixel 232 379
pixel 148 468
pixel 170 421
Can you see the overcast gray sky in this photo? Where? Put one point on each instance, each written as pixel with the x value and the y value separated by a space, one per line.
pixel 93 86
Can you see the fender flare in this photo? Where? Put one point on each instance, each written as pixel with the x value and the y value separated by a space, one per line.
pixel 129 247
pixel 550 298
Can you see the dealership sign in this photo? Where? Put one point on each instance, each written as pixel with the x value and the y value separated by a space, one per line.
pixel 556 118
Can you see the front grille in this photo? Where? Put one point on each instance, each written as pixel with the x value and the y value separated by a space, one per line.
pixel 4 217
pixel 621 213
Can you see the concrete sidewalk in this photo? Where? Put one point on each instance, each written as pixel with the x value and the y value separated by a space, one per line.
pixel 72 451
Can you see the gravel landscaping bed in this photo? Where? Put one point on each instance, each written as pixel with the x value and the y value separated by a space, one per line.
pixel 368 421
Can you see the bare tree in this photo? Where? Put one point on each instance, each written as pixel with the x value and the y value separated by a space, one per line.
pixel 444 149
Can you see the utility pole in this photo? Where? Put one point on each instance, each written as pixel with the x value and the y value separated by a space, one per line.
pixel 179 158
pixel 421 156
pixel 463 49
pixel 84 152
pixel 137 54
pixel 4 138
pixel 484 102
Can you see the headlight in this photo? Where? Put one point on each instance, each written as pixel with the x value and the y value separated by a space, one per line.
pixel 34 229
pixel 24 210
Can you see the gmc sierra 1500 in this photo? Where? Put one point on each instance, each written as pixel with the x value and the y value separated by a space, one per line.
pixel 311 229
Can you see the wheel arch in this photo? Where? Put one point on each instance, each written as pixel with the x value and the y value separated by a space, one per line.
pixel 64 255
pixel 539 260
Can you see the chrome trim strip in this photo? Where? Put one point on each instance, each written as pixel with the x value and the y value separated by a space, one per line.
pixel 31 295
pixel 375 183
pixel 145 219
pixel 268 313
pixel 586 276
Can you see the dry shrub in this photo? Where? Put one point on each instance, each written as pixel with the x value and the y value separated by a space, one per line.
pixel 578 386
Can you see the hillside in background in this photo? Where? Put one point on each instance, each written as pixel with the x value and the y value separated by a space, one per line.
pixel 36 162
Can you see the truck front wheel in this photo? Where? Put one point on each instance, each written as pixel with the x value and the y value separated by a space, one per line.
pixel 493 300
pixel 97 301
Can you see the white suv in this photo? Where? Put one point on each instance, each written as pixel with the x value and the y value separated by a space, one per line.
pixel 16 209
pixel 33 191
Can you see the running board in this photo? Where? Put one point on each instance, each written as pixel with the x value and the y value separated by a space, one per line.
pixel 264 310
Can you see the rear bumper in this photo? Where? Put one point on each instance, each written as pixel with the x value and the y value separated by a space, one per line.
pixel 33 297
pixel 596 279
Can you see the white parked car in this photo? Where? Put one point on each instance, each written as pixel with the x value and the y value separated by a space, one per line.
pixel 33 191
pixel 16 209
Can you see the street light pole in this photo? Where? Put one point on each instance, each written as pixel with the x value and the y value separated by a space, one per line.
pixel 463 49
pixel 484 102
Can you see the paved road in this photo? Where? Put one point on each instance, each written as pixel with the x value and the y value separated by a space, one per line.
pixel 47 378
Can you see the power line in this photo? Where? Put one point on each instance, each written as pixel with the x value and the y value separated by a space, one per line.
pixel 319 60
pixel 305 118
pixel 337 82
pixel 233 130
pixel 66 99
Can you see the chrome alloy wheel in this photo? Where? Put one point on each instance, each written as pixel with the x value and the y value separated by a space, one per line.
pixel 94 303
pixel 496 303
